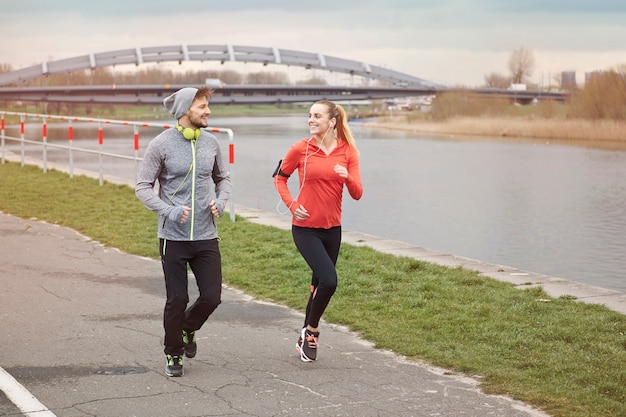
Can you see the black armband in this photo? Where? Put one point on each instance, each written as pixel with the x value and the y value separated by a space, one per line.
pixel 278 171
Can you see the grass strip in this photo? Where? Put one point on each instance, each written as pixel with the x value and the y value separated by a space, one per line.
pixel 563 356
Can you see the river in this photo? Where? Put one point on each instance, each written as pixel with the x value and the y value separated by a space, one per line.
pixel 548 208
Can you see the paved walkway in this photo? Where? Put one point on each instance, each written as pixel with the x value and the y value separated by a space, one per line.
pixel 81 328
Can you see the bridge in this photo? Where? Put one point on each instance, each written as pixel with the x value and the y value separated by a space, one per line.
pixel 221 53
pixel 399 84
pixel 235 94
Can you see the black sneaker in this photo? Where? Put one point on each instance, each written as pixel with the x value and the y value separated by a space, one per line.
pixel 174 365
pixel 307 345
pixel 189 340
pixel 299 345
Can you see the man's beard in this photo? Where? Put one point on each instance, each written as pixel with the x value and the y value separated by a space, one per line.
pixel 198 122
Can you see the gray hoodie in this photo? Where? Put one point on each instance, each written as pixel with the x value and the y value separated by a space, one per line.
pixel 169 159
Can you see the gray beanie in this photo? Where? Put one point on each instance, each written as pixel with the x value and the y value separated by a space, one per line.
pixel 179 102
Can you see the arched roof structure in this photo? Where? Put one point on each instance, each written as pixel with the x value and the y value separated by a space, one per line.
pixel 221 53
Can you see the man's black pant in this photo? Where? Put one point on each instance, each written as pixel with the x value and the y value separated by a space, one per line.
pixel 204 259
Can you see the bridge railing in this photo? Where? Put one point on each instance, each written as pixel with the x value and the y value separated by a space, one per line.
pixel 71 148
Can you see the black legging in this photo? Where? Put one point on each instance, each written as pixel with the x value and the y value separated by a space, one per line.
pixel 320 249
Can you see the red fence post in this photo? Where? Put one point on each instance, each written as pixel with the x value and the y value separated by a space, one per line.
pixel 44 137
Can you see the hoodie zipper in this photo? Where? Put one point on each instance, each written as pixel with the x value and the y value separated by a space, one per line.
pixel 193 186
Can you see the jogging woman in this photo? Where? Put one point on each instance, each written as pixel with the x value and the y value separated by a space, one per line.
pixel 326 161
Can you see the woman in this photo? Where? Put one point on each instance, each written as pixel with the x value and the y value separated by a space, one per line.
pixel 325 161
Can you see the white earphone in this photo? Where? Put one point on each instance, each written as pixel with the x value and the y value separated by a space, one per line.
pixel 306 157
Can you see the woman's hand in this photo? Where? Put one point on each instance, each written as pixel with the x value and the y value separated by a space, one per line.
pixel 341 171
pixel 301 214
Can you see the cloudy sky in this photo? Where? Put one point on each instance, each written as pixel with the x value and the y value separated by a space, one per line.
pixel 450 42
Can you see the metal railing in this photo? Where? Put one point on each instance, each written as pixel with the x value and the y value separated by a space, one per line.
pixel 71 148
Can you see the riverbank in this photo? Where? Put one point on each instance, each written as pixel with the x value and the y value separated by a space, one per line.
pixel 604 134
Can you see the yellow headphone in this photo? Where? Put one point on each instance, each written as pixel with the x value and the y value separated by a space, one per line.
pixel 189 133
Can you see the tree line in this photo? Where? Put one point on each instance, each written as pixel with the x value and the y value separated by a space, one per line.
pixel 159 76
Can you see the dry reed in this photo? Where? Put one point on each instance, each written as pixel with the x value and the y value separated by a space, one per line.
pixel 601 133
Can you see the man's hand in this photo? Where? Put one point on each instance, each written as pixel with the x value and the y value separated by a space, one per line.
pixel 186 211
pixel 214 210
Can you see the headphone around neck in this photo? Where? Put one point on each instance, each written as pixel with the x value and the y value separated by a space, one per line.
pixel 189 133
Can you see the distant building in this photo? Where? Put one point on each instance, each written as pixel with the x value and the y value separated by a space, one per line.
pixel 568 80
pixel 591 76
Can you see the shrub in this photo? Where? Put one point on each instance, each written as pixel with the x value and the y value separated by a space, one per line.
pixel 604 97
pixel 468 104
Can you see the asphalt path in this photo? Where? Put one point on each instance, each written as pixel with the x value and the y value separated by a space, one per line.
pixel 81 335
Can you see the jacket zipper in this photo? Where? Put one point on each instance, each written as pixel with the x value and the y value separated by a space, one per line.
pixel 193 186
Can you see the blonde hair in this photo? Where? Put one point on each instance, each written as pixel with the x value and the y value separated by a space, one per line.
pixel 337 112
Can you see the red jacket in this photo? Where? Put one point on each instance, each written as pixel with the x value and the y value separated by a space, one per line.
pixel 321 188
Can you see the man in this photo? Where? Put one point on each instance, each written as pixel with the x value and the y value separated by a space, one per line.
pixel 194 187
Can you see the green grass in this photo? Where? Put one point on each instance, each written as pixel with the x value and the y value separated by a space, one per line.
pixel 563 356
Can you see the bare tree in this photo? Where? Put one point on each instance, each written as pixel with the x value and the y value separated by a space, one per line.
pixel 102 76
pixel 231 77
pixel 558 79
pixel 620 68
pixel 313 81
pixel 521 65
pixel 267 78
pixel 4 67
pixel 495 80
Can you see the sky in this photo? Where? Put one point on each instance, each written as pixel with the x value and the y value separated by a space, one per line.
pixel 448 42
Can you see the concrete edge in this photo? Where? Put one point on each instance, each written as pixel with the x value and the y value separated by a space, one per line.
pixel 553 286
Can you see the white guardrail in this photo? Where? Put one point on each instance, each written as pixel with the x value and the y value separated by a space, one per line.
pixel 71 148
